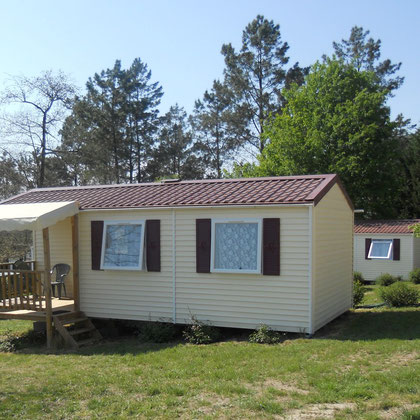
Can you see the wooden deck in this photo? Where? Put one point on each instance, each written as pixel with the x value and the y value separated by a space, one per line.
pixel 58 306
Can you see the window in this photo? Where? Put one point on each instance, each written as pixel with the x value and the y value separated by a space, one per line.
pixel 236 246
pixel 122 245
pixel 381 249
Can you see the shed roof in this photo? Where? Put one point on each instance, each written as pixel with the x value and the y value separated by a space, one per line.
pixel 210 192
pixel 385 226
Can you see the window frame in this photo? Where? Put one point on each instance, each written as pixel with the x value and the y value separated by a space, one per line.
pixel 141 265
pixel 214 221
pixel 390 249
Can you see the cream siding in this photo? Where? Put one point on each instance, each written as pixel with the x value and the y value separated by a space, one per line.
pixel 246 300
pixel 373 268
pixel 332 257
pixel 60 249
pixel 137 295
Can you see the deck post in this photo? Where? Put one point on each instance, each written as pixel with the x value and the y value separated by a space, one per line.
pixel 75 254
pixel 47 284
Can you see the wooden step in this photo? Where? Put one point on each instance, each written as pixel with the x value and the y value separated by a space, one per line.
pixel 74 321
pixel 81 330
pixel 63 321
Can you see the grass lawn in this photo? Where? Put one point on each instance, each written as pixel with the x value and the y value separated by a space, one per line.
pixel 371 295
pixel 364 365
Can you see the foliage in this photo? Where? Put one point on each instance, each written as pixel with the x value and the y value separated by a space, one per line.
pixel 39 105
pixel 265 335
pixel 416 230
pixel 358 276
pixel 358 292
pixel 7 342
pixel 364 54
pixel 174 155
pixel 215 131
pixel 385 279
pixel 409 202
pixel 110 135
pixel 256 75
pixel 200 333
pixel 14 244
pixel 399 294
pixel 338 122
pixel 414 276
pixel 156 332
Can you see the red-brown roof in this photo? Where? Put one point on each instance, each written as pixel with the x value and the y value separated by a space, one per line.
pixel 385 226
pixel 210 192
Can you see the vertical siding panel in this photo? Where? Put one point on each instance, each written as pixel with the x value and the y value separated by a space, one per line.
pixel 333 261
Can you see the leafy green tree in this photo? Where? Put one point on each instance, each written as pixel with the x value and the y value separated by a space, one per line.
pixel 174 157
pixel 364 54
pixel 338 123
pixel 256 75
pixel 215 136
pixel 410 197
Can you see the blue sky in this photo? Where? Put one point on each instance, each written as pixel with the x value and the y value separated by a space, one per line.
pixel 181 40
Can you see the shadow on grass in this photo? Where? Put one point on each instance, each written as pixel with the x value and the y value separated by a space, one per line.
pixel 401 324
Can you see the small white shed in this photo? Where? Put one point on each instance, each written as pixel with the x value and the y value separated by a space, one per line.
pixel 234 252
pixel 385 246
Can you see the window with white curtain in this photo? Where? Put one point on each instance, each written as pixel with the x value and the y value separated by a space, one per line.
pixel 122 245
pixel 380 249
pixel 236 246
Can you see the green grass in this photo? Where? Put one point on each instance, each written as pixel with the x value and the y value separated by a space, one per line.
pixel 372 297
pixel 364 365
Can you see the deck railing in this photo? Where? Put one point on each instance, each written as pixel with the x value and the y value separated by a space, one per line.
pixel 21 289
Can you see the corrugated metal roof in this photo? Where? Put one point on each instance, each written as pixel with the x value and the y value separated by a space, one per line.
pixel 385 226
pixel 245 191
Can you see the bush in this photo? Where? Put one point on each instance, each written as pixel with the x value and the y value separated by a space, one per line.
pixel 7 343
pixel 358 293
pixel 399 294
pixel 385 279
pixel 156 332
pixel 265 335
pixel 414 276
pixel 200 333
pixel 358 276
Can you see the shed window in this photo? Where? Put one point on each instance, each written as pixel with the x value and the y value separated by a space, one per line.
pixel 236 246
pixel 122 245
pixel 381 249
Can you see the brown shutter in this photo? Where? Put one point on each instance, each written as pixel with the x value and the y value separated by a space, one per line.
pixel 271 247
pixel 368 241
pixel 96 232
pixel 203 245
pixel 396 249
pixel 153 245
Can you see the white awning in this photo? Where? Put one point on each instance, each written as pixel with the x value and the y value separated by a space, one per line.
pixel 35 215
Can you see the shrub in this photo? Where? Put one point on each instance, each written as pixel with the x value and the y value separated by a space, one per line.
pixel 358 293
pixel 200 333
pixel 414 276
pixel 156 332
pixel 358 276
pixel 399 294
pixel 265 335
pixel 385 279
pixel 7 342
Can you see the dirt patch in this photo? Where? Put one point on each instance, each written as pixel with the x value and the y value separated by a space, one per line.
pixel 319 411
pixel 285 387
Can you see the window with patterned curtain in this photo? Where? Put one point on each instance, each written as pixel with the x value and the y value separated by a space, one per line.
pixel 236 246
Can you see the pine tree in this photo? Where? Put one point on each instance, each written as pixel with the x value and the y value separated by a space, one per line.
pixel 256 75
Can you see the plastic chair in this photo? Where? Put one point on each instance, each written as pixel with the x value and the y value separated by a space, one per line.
pixel 61 271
